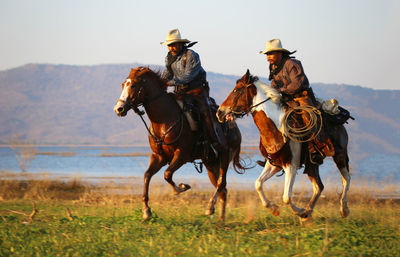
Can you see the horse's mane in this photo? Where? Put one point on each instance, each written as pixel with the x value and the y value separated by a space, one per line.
pixel 269 91
pixel 142 71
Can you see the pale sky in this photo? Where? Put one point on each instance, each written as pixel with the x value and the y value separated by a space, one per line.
pixel 341 41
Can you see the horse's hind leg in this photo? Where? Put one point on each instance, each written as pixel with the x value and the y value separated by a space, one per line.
pixel 268 171
pixel 313 174
pixel 213 175
pixel 155 165
pixel 342 162
pixel 220 185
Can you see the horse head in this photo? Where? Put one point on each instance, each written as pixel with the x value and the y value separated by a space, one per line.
pixel 135 90
pixel 239 101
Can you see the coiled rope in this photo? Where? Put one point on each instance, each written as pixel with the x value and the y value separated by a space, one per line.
pixel 302 131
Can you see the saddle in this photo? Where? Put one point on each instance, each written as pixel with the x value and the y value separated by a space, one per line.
pixel 334 113
pixel 198 125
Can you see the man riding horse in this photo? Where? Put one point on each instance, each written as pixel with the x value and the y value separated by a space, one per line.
pixel 184 72
pixel 287 77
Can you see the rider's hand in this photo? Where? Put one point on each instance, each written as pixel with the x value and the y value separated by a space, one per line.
pixel 229 117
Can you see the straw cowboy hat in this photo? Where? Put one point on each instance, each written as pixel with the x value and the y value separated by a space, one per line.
pixel 274 45
pixel 174 36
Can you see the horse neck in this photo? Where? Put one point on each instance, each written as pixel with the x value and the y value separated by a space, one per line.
pixel 159 106
pixel 272 108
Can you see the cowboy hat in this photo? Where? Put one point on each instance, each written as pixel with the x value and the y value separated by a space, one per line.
pixel 174 36
pixel 274 45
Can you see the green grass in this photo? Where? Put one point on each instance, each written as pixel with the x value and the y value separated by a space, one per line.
pixel 179 228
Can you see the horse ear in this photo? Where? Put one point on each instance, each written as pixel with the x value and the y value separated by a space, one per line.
pixel 247 76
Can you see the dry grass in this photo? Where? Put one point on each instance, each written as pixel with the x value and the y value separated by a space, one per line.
pixel 128 190
pixel 65 154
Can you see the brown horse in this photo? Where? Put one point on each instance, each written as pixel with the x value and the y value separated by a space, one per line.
pixel 264 103
pixel 171 139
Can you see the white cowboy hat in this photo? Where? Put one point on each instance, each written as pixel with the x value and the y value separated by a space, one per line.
pixel 274 45
pixel 174 36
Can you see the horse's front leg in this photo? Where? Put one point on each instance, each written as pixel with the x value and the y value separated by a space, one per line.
pixel 221 186
pixel 177 161
pixel 290 176
pixel 155 165
pixel 268 171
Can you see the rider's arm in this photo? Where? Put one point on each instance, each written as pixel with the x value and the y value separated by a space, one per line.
pixel 187 70
pixel 166 75
pixel 296 77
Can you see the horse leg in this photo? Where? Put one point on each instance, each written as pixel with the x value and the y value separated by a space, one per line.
pixel 313 174
pixel 213 175
pixel 290 176
pixel 155 165
pixel 268 171
pixel 176 163
pixel 220 186
pixel 342 162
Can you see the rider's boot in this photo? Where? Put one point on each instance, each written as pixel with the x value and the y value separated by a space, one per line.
pixel 214 131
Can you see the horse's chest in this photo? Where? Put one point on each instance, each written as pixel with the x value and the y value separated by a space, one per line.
pixel 271 138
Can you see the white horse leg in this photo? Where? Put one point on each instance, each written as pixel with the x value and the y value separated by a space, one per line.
pixel 344 210
pixel 290 176
pixel 268 171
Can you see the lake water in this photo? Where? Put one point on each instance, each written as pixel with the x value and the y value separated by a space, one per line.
pixel 97 163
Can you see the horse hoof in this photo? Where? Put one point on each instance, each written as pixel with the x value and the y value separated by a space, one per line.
pixel 304 214
pixel 147 214
pixel 345 212
pixel 184 187
pixel 307 218
pixel 274 210
pixel 210 211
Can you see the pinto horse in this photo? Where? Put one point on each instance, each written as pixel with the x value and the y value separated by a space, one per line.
pixel 171 139
pixel 264 103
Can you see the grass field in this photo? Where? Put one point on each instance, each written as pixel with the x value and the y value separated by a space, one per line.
pixel 54 218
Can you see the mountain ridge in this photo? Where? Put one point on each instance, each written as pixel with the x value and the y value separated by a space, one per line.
pixel 70 104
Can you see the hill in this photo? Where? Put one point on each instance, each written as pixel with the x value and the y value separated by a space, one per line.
pixel 64 104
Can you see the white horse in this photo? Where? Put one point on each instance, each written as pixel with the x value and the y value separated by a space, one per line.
pixel 264 103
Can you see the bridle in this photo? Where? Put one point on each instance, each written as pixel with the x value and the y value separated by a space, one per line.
pixel 240 92
pixel 129 103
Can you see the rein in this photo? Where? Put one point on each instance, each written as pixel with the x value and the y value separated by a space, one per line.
pixel 240 114
pixel 156 138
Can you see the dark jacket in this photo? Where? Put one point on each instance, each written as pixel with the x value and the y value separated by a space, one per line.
pixel 289 77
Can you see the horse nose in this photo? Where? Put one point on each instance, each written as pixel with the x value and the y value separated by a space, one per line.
pixel 118 109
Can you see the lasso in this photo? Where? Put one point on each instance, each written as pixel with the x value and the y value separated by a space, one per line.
pixel 309 130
